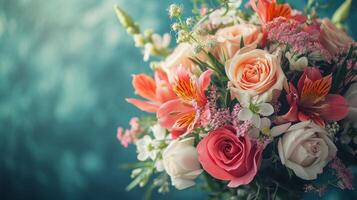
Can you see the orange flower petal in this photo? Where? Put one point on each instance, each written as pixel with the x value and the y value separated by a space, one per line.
pixel 145 86
pixel 315 91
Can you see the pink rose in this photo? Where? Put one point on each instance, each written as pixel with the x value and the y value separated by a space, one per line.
pixel 255 73
pixel 332 38
pixel 226 156
pixel 229 39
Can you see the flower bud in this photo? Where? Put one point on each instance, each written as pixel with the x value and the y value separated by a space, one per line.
pixel 175 27
pixel 148 33
pixel 189 21
pixel 126 20
pixel 182 36
pixel 342 12
pixel 175 10
pixel 139 40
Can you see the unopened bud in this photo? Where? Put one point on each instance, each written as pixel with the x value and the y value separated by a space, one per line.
pixel 148 33
pixel 126 20
pixel 175 10
pixel 175 27
pixel 182 36
pixel 139 40
pixel 341 14
pixel 189 21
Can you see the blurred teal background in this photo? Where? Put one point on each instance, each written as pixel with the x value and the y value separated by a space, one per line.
pixel 65 70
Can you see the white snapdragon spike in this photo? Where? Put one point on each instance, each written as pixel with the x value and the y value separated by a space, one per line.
pixel 161 42
pixel 139 40
pixel 148 49
pixel 220 17
pixel 145 148
pixel 148 147
pixel 159 132
pixel 158 143
pixel 159 165
pixel 253 111
pixel 297 64
pixel 158 43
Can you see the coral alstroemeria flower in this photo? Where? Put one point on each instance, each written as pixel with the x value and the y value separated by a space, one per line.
pixel 157 91
pixel 268 10
pixel 181 115
pixel 312 100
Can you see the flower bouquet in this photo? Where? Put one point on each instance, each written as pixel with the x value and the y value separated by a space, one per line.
pixel 256 101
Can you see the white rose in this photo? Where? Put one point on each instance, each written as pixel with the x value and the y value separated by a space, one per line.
pixel 351 98
pixel 181 163
pixel 306 149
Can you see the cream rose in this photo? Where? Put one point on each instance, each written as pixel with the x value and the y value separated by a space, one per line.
pixel 181 163
pixel 254 75
pixel 332 38
pixel 229 39
pixel 306 149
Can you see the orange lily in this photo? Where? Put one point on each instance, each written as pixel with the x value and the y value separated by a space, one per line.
pixel 156 91
pixel 268 10
pixel 181 115
pixel 312 101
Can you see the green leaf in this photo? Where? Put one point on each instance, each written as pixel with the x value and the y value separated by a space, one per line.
pixel 136 165
pixel 135 182
pixel 241 42
pixel 341 14
pixel 148 193
pixel 228 98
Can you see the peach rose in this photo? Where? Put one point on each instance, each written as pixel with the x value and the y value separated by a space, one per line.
pixel 254 76
pixel 181 57
pixel 332 38
pixel 229 39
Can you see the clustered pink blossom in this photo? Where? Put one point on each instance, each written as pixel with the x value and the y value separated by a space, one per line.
pixel 319 190
pixel 343 173
pixel 243 128
pixel 218 116
pixel 128 136
pixel 300 37
pixel 322 190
